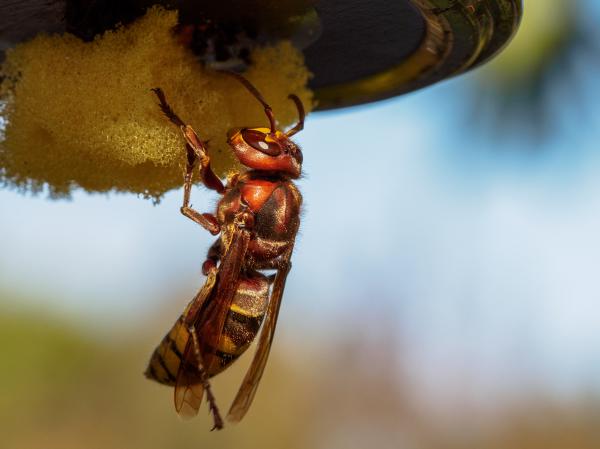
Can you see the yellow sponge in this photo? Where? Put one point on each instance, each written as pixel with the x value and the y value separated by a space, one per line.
pixel 82 114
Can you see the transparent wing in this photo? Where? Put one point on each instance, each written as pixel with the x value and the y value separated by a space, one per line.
pixel 247 390
pixel 189 391
pixel 189 386
pixel 213 321
pixel 208 322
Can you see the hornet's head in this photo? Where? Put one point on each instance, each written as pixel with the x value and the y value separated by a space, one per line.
pixel 261 149
pixel 268 149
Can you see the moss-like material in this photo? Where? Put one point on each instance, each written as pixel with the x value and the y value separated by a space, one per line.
pixel 82 114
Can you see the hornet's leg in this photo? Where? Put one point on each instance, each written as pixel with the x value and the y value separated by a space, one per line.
pixel 212 258
pixel 209 178
pixel 212 404
pixel 207 221
pixel 196 150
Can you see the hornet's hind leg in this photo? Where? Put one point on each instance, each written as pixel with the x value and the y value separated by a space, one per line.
pixel 212 403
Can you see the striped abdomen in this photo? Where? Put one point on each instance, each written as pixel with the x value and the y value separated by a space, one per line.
pixel 241 326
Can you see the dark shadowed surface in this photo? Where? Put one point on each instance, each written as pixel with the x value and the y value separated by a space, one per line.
pixel 361 39
pixel 359 51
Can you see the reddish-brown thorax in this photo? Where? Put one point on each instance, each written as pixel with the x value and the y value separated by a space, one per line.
pixel 256 192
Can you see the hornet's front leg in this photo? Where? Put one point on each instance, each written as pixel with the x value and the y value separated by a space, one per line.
pixel 206 220
pixel 196 150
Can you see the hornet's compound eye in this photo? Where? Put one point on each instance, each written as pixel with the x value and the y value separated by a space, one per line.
pixel 256 140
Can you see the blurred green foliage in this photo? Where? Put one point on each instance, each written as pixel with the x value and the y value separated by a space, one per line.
pixel 520 87
pixel 61 389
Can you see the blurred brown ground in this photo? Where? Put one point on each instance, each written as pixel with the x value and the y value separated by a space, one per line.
pixel 61 389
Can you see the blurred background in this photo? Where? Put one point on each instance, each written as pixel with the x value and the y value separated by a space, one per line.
pixel 445 290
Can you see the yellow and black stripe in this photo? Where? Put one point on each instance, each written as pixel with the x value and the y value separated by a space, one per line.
pixel 166 359
pixel 241 326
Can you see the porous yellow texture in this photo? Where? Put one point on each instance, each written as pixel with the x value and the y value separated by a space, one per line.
pixel 82 114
